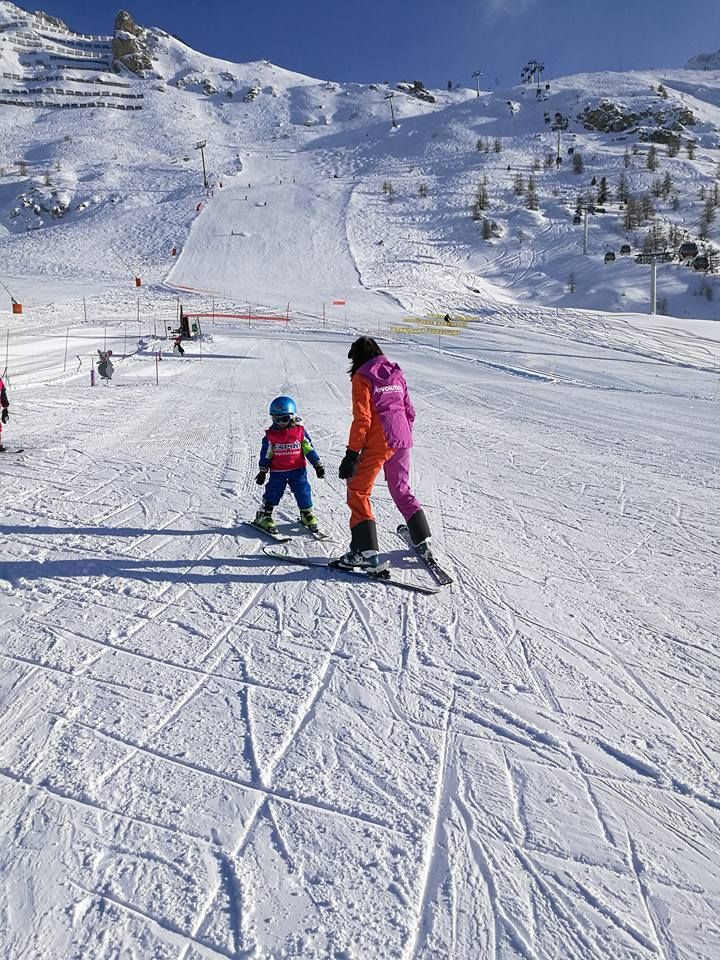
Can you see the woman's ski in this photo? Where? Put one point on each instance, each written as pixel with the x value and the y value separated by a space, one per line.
pixel 442 576
pixel 383 577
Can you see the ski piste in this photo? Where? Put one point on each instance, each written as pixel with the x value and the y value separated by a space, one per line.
pixel 385 577
pixel 442 576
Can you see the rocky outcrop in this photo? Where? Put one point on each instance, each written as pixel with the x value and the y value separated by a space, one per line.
pixel 661 125
pixel 609 117
pixel 130 45
pixel 51 21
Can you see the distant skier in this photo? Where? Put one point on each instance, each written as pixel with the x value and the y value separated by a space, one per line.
pixel 448 319
pixel 5 415
pixel 285 447
pixel 380 438
pixel 177 345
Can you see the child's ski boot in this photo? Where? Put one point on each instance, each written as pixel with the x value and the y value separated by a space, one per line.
pixel 309 520
pixel 264 520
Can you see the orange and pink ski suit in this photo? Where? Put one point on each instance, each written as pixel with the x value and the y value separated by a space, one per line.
pixel 381 432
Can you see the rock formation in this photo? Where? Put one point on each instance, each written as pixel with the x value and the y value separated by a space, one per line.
pixel 130 45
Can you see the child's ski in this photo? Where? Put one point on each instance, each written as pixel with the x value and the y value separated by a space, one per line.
pixel 383 577
pixel 12 450
pixel 315 534
pixel 442 576
pixel 277 537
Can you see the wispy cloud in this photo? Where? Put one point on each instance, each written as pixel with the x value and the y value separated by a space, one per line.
pixel 493 10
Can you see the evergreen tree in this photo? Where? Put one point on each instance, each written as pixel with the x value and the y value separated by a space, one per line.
pixel 531 200
pixel 647 208
pixel 623 190
pixel 652 158
pixel 481 197
pixel 603 193
pixel 627 161
pixel 578 163
pixel 690 147
pixel 518 185
pixel 655 240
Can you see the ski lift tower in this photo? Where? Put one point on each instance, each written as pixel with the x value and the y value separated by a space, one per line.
pixel 664 256
pixel 476 77
pixel 200 145
pixel 559 124
pixel 389 98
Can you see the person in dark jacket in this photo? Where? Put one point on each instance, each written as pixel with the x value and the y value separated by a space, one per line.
pixel 5 415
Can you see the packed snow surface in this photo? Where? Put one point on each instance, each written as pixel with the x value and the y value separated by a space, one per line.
pixel 206 753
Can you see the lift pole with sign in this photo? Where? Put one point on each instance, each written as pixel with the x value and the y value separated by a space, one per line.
pixel 200 145
pixel 654 259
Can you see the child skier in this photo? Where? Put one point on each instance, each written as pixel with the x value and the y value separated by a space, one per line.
pixel 284 448
pixel 5 416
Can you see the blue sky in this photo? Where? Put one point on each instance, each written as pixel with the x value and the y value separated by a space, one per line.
pixel 429 40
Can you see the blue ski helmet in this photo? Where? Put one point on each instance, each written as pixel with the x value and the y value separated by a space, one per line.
pixel 283 407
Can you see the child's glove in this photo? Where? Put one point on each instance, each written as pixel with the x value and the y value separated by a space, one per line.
pixel 347 464
pixel 260 478
pixel 5 415
pixel 319 470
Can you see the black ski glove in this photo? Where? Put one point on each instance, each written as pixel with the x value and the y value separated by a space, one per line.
pixel 347 464
pixel 260 478
pixel 5 415
pixel 319 470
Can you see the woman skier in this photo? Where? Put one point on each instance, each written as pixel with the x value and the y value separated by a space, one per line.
pixel 5 416
pixel 380 438
pixel 285 447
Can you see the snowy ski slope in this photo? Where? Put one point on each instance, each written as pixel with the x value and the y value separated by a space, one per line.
pixel 207 754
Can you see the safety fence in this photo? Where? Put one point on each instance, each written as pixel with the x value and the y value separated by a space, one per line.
pixel 60 91
pixel 61 78
pixel 49 104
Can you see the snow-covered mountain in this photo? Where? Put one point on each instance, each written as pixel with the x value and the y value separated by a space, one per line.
pixel 92 149
pixel 704 61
